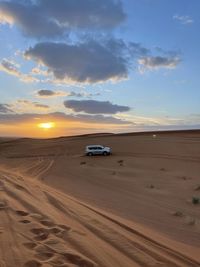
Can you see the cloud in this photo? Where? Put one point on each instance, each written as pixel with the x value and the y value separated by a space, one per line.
pixel 98 118
pixel 136 49
pixel 39 72
pixel 50 18
pixel 183 19
pixel 23 105
pixel 49 93
pixel 157 62
pixel 8 119
pixel 38 105
pixel 81 94
pixel 94 107
pixel 12 68
pixel 28 78
pixel 5 108
pixel 44 93
pixel 95 61
pixel 134 123
pixel 89 62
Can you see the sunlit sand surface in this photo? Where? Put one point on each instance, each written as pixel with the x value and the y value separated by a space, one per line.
pixel 134 208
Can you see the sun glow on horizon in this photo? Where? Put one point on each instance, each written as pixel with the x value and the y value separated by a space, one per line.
pixel 46 125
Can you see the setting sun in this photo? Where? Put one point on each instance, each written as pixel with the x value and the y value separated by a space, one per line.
pixel 46 125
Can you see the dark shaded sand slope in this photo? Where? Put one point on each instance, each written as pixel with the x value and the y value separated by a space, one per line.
pixel 59 208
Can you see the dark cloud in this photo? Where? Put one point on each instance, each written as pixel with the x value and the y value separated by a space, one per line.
pixel 49 93
pixel 92 62
pixel 46 93
pixel 89 62
pixel 75 94
pixel 5 108
pixel 50 18
pixel 101 119
pixel 94 107
pixel 8 119
pixel 157 62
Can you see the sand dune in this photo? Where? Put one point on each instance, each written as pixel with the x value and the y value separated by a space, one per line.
pixel 134 208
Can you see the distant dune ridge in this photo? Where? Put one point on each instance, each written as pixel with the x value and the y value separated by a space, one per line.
pixel 135 208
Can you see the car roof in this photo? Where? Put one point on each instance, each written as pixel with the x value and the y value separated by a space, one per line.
pixel 93 145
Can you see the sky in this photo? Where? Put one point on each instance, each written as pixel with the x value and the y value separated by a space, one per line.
pixel 73 67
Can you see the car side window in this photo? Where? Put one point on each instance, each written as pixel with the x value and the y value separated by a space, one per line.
pixel 99 148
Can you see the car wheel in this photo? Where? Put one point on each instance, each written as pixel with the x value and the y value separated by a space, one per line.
pixel 105 153
pixel 90 154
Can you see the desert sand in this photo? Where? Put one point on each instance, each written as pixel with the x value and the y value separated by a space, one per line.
pixel 133 208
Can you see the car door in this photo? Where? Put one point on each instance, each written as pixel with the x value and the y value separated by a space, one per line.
pixel 94 150
pixel 99 150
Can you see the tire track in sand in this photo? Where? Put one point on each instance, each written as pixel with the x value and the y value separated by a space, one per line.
pixel 48 228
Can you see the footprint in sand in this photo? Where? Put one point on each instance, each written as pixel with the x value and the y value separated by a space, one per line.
pixel 25 221
pixel 78 260
pixel 3 205
pixel 55 230
pixel 44 253
pixel 47 223
pixel 58 230
pixel 22 213
pixel 19 187
pixel 41 233
pixel 44 256
pixel 30 245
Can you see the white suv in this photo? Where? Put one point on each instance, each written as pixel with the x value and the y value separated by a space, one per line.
pixel 97 150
